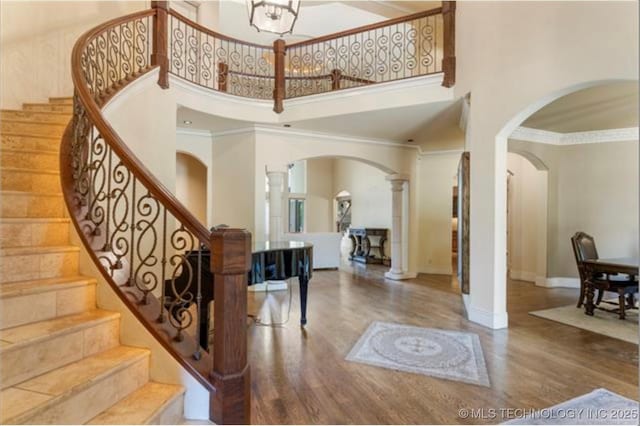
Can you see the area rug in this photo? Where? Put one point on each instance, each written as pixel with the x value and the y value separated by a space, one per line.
pixel 600 407
pixel 605 323
pixel 444 354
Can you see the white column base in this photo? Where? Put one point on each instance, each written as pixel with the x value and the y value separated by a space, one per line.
pixel 269 286
pixel 397 276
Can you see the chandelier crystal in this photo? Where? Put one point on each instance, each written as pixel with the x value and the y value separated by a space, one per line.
pixel 274 16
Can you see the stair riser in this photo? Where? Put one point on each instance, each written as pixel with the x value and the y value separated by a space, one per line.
pixel 30 160
pixel 83 406
pixel 34 128
pixel 29 181
pixel 30 308
pixel 172 414
pixel 41 234
pixel 49 108
pixel 31 206
pixel 39 116
pixel 41 357
pixel 38 266
pixel 30 143
pixel 61 101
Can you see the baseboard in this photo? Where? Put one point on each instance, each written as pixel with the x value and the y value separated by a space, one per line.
pixel 268 286
pixel 435 270
pixel 492 320
pixel 523 275
pixel 562 282
pixel 399 276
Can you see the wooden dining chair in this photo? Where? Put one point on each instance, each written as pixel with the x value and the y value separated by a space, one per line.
pixel 584 248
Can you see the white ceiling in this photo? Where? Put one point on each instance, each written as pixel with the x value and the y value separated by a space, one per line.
pixel 608 106
pixel 398 125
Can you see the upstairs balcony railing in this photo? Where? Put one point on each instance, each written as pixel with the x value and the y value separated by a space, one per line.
pixel 410 46
pixel 138 234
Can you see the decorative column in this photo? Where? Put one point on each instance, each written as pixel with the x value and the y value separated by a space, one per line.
pixel 398 220
pixel 275 180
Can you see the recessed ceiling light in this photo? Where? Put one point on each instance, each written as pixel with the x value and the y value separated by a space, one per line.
pixel 287 125
pixel 187 122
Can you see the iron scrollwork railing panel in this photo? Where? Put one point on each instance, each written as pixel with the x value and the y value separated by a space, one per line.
pixel 141 245
pixel 116 56
pixel 217 62
pixel 393 52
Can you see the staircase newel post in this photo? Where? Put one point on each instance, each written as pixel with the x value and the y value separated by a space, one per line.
pixel 230 263
pixel 160 35
pixel 449 43
pixel 279 51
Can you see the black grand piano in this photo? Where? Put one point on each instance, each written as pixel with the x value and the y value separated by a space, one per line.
pixel 270 261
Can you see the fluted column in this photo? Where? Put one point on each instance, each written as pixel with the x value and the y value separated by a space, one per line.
pixel 275 179
pixel 398 219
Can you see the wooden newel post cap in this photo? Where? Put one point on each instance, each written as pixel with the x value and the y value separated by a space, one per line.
pixel 230 251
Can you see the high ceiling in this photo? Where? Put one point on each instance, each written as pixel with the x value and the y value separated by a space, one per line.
pixel 419 123
pixel 608 106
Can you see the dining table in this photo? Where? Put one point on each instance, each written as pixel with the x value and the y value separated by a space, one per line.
pixel 611 266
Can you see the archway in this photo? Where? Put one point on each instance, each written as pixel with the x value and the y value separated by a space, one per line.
pixel 500 170
pixel 191 185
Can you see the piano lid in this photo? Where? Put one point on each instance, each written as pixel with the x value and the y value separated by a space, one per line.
pixel 265 246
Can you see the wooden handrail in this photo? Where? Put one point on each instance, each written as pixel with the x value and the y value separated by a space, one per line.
pixel 139 170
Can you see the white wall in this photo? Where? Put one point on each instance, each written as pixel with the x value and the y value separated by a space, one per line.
pixel 36 38
pixel 199 144
pixel 532 53
pixel 320 195
pixel 527 239
pixel 436 179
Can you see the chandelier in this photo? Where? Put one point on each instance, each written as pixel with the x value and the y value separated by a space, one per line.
pixel 274 16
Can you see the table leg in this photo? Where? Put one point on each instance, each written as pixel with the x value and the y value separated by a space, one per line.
pixel 589 306
pixel 304 284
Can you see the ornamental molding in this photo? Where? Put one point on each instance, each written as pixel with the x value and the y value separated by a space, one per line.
pixel 575 138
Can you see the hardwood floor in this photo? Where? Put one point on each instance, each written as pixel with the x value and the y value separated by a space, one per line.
pixel 300 376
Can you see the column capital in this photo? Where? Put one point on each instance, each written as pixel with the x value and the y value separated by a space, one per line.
pixel 276 168
pixel 402 177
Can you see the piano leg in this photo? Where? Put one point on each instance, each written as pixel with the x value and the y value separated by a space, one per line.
pixel 204 327
pixel 304 284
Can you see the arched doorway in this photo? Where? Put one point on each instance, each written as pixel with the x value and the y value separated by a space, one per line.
pixel 578 130
pixel 191 185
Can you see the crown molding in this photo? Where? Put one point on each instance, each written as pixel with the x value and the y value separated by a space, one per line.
pixel 441 152
pixel 575 138
pixel 313 134
pixel 194 132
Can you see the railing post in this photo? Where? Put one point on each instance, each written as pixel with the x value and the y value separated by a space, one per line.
pixel 230 262
pixel 279 85
pixel 223 75
pixel 160 33
pixel 336 75
pixel 449 43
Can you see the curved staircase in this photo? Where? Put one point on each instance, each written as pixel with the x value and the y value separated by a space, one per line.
pixel 60 356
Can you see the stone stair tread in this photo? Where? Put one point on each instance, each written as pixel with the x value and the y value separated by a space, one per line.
pixel 38 194
pixel 25 170
pixel 22 335
pixel 141 406
pixel 30 220
pixel 21 251
pixel 25 399
pixel 23 288
pixel 31 121
pixel 30 135
pixel 39 112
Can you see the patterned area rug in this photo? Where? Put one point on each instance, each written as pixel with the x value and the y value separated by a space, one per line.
pixel 445 354
pixel 600 407
pixel 605 323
